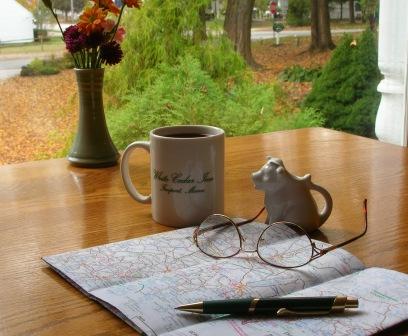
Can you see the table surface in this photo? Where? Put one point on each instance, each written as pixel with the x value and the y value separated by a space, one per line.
pixel 49 207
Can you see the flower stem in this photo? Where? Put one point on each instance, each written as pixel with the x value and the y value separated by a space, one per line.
pixel 94 58
pixel 77 64
pixel 115 29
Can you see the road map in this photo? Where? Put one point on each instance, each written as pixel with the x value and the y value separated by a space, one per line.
pixel 383 302
pixel 142 280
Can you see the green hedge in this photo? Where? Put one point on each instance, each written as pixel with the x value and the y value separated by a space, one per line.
pixel 346 92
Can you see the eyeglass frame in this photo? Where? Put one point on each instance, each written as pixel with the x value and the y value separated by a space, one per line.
pixel 316 251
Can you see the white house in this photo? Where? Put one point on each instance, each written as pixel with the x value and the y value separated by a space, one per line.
pixel 16 23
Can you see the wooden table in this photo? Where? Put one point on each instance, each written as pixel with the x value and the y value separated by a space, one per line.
pixel 48 207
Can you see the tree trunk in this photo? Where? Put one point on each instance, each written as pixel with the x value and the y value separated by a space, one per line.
pixel 237 25
pixel 351 11
pixel 200 33
pixel 320 26
pixel 341 10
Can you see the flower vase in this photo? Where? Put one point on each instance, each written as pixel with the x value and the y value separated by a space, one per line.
pixel 93 146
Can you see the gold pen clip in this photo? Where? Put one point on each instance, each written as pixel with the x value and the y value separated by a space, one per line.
pixel 287 312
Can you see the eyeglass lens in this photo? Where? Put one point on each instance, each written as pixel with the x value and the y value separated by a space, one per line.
pixel 285 244
pixel 217 236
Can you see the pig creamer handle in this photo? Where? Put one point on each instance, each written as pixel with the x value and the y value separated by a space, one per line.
pixel 328 202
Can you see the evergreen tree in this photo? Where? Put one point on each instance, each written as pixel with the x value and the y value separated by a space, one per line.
pixel 346 92
pixel 298 12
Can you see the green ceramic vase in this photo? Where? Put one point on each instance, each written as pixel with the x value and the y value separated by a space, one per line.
pixel 93 146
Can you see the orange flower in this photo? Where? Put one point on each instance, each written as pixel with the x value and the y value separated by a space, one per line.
pixel 92 19
pixel 133 3
pixel 108 5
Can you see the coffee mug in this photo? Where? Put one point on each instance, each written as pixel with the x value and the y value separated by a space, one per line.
pixel 186 172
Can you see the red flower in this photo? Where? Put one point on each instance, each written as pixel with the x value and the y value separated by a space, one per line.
pixel 133 3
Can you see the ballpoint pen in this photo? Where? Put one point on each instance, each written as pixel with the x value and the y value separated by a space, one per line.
pixel 289 306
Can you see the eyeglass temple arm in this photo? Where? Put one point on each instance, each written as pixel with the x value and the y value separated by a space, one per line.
pixel 333 247
pixel 197 231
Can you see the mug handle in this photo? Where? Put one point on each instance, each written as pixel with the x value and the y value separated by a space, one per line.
pixel 124 169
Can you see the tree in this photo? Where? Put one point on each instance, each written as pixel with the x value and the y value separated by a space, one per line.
pixel 262 5
pixel 369 9
pixel 320 26
pixel 351 11
pixel 30 5
pixel 346 91
pixel 298 12
pixel 65 6
pixel 41 15
pixel 237 25
pixel 200 32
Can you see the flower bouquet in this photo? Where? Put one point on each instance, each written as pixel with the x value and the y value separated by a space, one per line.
pixel 95 40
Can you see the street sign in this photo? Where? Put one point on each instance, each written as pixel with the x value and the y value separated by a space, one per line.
pixel 272 7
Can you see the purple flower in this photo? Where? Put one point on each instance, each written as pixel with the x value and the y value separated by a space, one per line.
pixel 74 39
pixel 95 39
pixel 111 53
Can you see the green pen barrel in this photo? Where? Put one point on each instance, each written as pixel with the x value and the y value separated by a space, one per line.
pixel 235 306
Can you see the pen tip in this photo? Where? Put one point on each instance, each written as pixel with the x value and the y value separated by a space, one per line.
pixel 351 302
pixel 196 307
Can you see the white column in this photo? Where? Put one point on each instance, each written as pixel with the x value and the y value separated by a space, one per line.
pixel 391 123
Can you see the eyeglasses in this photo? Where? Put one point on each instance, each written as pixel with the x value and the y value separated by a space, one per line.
pixel 281 244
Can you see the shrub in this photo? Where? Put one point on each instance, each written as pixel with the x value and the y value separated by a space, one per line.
pixel 47 67
pixel 39 67
pixel 186 94
pixel 307 117
pixel 296 73
pixel 298 12
pixel 345 93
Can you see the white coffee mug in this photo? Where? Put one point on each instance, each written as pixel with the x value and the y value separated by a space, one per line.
pixel 186 171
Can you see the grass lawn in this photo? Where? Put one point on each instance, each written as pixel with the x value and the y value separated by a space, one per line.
pixel 55 44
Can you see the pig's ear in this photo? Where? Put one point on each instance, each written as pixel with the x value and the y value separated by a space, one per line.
pixel 280 170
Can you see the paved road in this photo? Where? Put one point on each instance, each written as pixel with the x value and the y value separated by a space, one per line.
pixel 268 34
pixel 12 67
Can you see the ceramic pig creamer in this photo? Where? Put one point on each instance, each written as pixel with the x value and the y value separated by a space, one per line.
pixel 288 197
